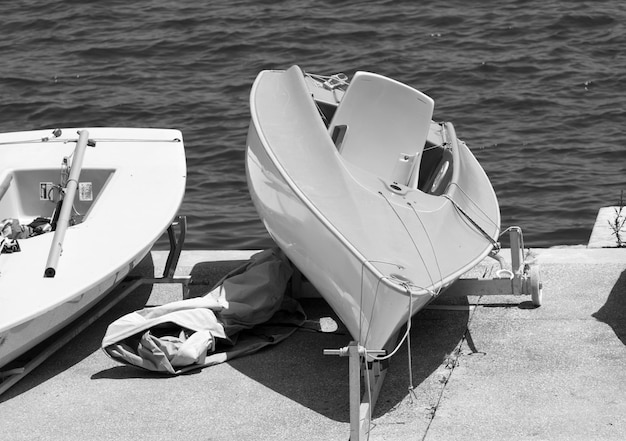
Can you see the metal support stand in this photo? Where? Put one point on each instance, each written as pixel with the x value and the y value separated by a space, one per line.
pixel 524 277
pixel 176 246
pixel 14 372
pixel 361 408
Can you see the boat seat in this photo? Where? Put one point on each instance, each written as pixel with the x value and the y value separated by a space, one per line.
pixel 381 126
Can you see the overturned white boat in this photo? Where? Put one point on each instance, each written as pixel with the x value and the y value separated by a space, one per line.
pixel 377 205
pixel 79 209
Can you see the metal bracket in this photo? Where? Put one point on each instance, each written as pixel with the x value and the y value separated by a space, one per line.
pixel 176 246
pixel 373 372
pixel 524 278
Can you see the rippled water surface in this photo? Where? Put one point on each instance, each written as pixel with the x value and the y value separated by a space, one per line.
pixel 536 88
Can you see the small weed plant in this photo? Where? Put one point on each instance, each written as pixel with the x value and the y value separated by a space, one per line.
pixel 618 222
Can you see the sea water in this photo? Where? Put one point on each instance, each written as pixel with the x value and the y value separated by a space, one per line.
pixel 537 89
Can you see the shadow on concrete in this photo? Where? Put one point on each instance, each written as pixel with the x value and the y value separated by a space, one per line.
pixel 206 275
pixel 125 372
pixel 86 342
pixel 613 312
pixel 297 368
pixel 515 304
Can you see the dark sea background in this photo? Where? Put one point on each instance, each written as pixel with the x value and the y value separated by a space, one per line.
pixel 536 88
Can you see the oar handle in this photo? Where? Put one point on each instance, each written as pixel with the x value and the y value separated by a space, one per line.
pixel 66 208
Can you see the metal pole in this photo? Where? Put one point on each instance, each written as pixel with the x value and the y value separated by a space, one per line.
pixel 6 183
pixel 516 260
pixel 66 208
pixel 355 391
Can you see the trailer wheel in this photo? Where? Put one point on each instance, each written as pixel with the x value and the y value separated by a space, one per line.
pixel 536 286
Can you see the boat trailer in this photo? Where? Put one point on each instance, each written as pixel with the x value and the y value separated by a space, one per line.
pixel 15 370
pixel 522 279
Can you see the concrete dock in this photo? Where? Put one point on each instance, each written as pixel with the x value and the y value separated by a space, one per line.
pixel 483 368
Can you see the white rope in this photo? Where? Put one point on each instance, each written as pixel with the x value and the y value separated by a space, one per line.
pixel 493 242
pixel 432 246
pixel 432 281
pixel 477 206
pixel 68 140
pixel 521 233
pixel 406 285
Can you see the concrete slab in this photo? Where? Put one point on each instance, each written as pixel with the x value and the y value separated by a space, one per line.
pixel 548 373
pixel 609 229
pixel 497 369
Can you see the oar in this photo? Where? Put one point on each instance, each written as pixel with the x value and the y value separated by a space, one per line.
pixel 66 208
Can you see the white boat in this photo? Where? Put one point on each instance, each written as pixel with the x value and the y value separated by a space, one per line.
pixel 377 205
pixel 111 193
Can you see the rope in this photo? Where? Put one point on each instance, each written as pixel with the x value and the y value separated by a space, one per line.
pixel 493 242
pixel 477 206
pixel 319 109
pixel 369 395
pixel 443 145
pixel 331 81
pixel 432 247
pixel 520 231
pixel 406 285
pixel 67 140
pixel 408 337
pixel 400 267
pixel 361 302
pixel 410 236
pixel 405 336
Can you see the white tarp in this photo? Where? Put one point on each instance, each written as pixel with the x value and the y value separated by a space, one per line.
pixel 202 331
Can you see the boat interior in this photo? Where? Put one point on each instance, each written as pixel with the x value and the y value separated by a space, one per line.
pixel 383 126
pixel 30 194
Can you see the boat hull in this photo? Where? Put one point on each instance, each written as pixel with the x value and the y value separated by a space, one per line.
pixel 18 340
pixel 135 179
pixel 376 254
pixel 339 275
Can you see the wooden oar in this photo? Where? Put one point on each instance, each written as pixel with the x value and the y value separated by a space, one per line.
pixel 66 208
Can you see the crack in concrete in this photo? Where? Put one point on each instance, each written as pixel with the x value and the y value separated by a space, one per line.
pixel 450 362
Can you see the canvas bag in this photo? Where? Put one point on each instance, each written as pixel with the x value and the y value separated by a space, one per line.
pixel 246 311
